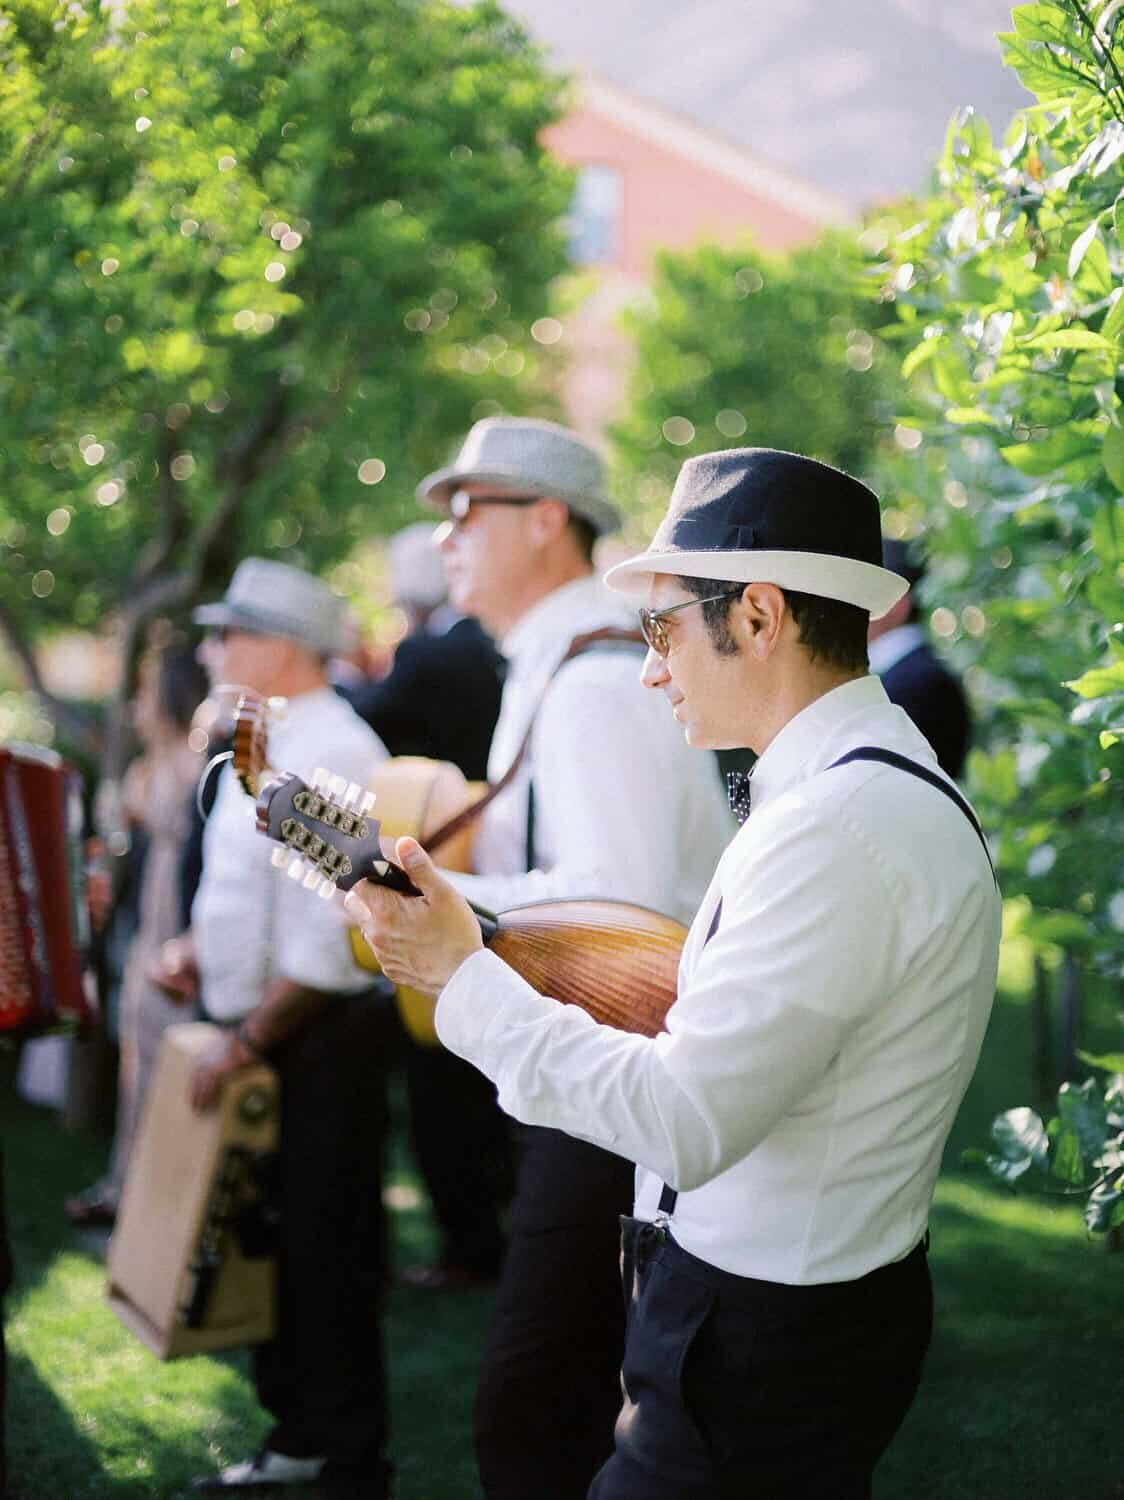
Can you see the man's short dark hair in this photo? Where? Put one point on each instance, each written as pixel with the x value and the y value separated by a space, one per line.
pixel 584 535
pixel 832 632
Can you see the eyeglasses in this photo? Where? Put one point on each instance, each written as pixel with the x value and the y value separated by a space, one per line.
pixel 651 620
pixel 222 633
pixel 461 502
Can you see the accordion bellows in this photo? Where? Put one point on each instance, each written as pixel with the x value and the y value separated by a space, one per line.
pixel 43 927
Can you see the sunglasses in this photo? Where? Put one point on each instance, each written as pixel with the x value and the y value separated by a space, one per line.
pixel 651 620
pixel 222 633
pixel 461 502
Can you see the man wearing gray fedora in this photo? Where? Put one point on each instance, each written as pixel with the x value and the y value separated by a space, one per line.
pixel 276 973
pixel 606 801
pixel 833 995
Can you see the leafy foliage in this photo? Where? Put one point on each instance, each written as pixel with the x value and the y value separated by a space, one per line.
pixel 1009 292
pixel 737 346
pixel 1081 1150
pixel 255 257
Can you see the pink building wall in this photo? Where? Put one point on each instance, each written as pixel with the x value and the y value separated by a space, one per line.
pixel 678 186
pixel 669 201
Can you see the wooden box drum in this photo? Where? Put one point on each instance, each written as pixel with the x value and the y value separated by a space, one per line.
pixel 189 1263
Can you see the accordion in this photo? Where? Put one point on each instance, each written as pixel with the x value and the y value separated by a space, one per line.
pixel 44 930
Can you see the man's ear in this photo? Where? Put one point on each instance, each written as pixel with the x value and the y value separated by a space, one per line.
pixel 547 520
pixel 761 613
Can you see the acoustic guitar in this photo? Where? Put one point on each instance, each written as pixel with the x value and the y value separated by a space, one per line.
pixel 617 961
pixel 416 796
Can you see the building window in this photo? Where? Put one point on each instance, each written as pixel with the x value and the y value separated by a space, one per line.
pixel 594 220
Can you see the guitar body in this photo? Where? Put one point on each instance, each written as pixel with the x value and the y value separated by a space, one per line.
pixel 413 797
pixel 616 961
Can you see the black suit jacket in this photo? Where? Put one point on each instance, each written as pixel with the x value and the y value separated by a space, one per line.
pixel 441 698
pixel 934 700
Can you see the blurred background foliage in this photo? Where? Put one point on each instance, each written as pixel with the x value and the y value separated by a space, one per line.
pixel 260 265
pixel 738 346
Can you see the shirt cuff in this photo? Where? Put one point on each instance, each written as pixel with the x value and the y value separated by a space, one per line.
pixel 481 992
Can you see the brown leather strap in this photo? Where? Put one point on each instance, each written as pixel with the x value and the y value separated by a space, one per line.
pixel 579 644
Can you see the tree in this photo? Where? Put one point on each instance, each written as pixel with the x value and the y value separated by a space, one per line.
pixel 736 346
pixel 1010 300
pixel 259 264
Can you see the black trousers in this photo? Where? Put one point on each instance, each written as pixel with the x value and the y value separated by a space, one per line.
pixel 737 1389
pixel 5 1283
pixel 461 1141
pixel 322 1377
pixel 549 1390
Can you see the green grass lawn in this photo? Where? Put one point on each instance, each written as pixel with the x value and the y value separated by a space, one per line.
pixel 1018 1401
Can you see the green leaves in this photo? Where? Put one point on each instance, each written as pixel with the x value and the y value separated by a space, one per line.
pixel 1019 1142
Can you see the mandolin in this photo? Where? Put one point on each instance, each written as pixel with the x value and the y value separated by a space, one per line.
pixel 616 961
pixel 428 799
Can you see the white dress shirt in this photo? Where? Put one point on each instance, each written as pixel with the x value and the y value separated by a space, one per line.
pixel 821 1041
pixel 624 809
pixel 251 922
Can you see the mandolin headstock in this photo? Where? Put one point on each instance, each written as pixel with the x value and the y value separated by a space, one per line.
pixel 253 716
pixel 328 838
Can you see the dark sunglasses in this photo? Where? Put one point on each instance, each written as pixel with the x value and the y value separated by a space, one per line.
pixel 222 633
pixel 461 502
pixel 651 620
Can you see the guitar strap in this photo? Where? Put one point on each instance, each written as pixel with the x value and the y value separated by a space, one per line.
pixel 580 643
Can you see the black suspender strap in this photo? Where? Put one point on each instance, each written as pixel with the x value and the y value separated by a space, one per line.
pixel 903 763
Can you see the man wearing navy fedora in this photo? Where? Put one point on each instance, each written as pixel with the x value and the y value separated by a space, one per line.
pixel 834 991
pixel 524 501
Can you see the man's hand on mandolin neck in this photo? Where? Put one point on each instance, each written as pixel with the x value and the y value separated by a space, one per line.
pixel 419 942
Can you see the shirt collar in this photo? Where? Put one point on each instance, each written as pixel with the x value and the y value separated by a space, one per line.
pixel 550 624
pixel 887 650
pixel 811 740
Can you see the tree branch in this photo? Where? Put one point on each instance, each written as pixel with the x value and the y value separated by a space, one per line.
pixel 78 727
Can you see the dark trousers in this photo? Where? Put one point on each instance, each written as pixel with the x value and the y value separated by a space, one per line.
pixel 737 1389
pixel 461 1142
pixel 549 1390
pixel 5 1283
pixel 322 1377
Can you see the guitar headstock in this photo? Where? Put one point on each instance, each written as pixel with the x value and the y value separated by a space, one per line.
pixel 253 715
pixel 328 837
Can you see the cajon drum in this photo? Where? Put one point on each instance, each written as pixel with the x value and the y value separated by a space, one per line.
pixel 189 1265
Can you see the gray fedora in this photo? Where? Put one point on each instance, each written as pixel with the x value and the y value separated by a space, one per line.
pixel 273 598
pixel 758 515
pixel 532 456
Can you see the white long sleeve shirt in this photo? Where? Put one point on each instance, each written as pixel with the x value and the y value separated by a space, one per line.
pixel 251 922
pixel 623 808
pixel 821 1040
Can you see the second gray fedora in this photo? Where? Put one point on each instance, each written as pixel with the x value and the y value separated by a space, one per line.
pixel 273 598
pixel 531 456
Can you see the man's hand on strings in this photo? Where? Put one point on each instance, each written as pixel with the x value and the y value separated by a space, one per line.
pixel 419 941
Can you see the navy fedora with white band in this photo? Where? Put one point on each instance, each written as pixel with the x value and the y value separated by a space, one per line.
pixel 757 515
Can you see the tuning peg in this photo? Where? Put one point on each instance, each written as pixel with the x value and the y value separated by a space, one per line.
pixel 312 880
pixel 327 886
pixel 319 780
pixel 336 787
pixel 381 868
pixel 366 802
pixel 280 857
pixel 352 796
pixel 296 870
